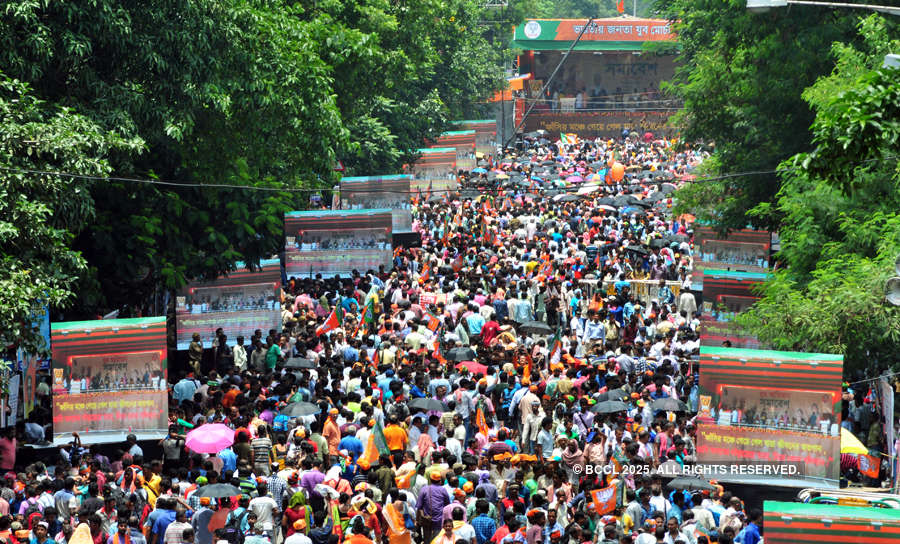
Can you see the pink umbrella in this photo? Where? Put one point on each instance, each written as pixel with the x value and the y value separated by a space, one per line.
pixel 574 179
pixel 210 438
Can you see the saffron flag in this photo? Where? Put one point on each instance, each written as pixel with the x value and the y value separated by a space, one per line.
pixel 480 420
pixel 376 446
pixel 604 499
pixel 403 481
pixel 432 322
pixel 555 348
pixel 620 7
pixel 869 465
pixel 334 321
pixel 367 319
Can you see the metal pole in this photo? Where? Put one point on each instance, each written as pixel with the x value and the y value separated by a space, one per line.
pixel 549 80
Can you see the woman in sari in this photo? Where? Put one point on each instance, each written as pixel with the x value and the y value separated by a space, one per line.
pixel 395 513
pixel 297 509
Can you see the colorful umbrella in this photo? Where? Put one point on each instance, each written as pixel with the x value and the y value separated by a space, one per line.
pixel 210 438
pixel 473 367
pixel 851 444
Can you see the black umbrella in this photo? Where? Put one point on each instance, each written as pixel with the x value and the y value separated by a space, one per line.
pixel 667 188
pixel 548 163
pixel 638 249
pixel 427 405
pixel 609 407
pixel 300 409
pixel 461 354
pixel 691 483
pixel 642 204
pixel 658 243
pixel 607 201
pixel 668 404
pixel 535 327
pixel 655 197
pixel 218 491
pixel 469 193
pixel 568 198
pixel 436 199
pixel 621 201
pixel 617 394
pixel 298 362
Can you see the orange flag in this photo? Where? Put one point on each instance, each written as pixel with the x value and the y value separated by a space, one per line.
pixel 604 499
pixel 481 421
pixel 869 465
pixel 620 7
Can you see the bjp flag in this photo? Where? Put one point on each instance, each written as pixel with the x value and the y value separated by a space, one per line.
pixel 869 465
pixel 604 499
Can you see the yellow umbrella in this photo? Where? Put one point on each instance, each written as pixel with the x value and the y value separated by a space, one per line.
pixel 851 444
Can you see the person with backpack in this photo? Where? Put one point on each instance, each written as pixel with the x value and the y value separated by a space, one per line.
pixel 237 525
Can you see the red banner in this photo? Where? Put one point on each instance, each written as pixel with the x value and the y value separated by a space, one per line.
pixel 817 455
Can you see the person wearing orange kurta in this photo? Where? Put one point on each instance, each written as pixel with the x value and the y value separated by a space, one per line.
pixel 332 432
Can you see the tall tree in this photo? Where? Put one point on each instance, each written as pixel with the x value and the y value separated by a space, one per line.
pixel 40 212
pixel 740 76
pixel 841 226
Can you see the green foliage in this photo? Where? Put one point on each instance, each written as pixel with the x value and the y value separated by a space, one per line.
pixel 39 213
pixel 841 226
pixel 241 92
pixel 573 9
pixel 740 77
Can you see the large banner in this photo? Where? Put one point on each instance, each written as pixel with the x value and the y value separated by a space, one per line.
pixel 765 406
pixel 600 124
pixel 435 171
pixel 337 242
pixel 531 33
pixel 379 192
pixel 239 303
pixel 464 142
pixel 485 134
pixel 716 333
pixel 740 250
pixel 109 380
pixel 816 455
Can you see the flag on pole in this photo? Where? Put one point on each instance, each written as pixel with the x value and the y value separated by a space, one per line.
pixel 376 446
pixel 480 420
pixel 367 317
pixel 426 272
pixel 620 7
pixel 432 322
pixel 604 499
pixel 334 321
pixel 556 348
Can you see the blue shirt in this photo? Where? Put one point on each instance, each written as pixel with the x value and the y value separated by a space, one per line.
pixel 184 390
pixel 229 460
pixel 484 528
pixel 475 322
pixel 751 534
pixel 162 523
pixel 353 445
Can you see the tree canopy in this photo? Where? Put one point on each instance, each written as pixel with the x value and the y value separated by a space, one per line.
pixel 740 76
pixel 236 92
pixel 840 227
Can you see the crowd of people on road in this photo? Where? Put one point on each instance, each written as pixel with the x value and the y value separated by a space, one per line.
pixel 504 383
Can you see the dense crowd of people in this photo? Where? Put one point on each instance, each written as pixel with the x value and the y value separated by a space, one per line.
pixel 461 397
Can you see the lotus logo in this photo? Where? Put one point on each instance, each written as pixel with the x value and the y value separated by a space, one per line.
pixel 532 30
